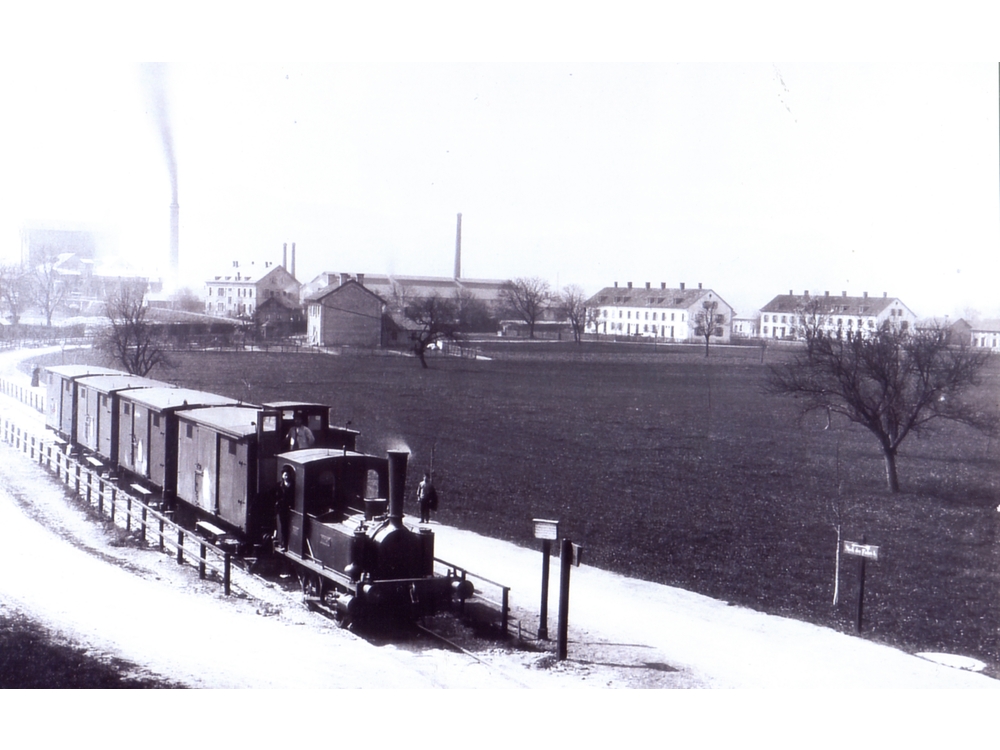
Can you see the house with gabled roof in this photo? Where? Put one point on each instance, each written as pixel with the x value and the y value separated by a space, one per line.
pixel 656 313
pixel 791 316
pixel 345 314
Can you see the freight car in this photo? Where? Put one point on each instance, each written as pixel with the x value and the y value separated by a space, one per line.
pixel 277 479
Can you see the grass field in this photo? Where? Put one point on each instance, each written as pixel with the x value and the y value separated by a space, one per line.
pixel 675 468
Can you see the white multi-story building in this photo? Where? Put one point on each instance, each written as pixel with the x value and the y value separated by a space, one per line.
pixel 985 334
pixel 238 291
pixel 791 316
pixel 671 314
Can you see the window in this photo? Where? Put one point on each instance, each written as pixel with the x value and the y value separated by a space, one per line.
pixel 125 409
pixel 672 315
pixel 189 431
pixel 765 330
pixel 156 420
pixel 765 319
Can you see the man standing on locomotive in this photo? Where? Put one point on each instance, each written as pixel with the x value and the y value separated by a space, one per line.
pixel 426 498
pixel 300 436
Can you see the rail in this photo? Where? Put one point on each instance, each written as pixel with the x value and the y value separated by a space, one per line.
pixel 150 524
pixel 501 590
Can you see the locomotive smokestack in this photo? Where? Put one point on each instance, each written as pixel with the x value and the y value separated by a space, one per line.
pixel 397 486
pixel 458 249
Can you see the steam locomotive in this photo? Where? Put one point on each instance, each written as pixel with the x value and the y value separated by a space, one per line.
pixel 333 514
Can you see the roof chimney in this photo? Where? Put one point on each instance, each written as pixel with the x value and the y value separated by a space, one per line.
pixel 699 285
pixel 361 279
pixel 682 286
pixel 791 293
pixel 647 285
pixel 616 285
pixel 885 294
pixel 843 294
pixel 344 278
pixel 663 285
pixel 630 285
pixel 806 293
pixel 826 294
pixel 866 295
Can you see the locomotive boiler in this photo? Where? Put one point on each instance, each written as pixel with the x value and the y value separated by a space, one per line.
pixel 340 520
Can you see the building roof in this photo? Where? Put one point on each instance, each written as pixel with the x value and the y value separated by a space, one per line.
pixel 989 326
pixel 649 297
pixel 829 305
pixel 334 288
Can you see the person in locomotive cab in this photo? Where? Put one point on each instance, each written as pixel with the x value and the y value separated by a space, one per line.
pixel 426 498
pixel 300 436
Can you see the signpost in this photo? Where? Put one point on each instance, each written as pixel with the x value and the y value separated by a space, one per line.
pixel 865 552
pixel 547 531
pixel 570 554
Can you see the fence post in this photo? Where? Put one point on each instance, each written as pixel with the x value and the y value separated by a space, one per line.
pixel 227 568
pixel 114 498
pixel 180 546
pixel 161 534
pixel 100 496
pixel 505 610
pixel 144 509
pixel 201 563
pixel 128 512
pixel 90 482
pixel 78 479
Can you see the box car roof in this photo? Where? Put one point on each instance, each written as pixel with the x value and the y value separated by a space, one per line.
pixel 75 371
pixel 174 398
pixel 119 381
pixel 239 421
pixel 311 454
pixel 294 405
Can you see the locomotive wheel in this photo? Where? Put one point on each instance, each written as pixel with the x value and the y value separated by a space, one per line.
pixel 312 585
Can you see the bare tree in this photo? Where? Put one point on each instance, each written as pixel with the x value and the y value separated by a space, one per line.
pixel 891 382
pixel 810 322
pixel 15 290
pixel 708 321
pixel 437 318
pixel 527 298
pixel 573 306
pixel 130 339
pixel 49 289
pixel 472 313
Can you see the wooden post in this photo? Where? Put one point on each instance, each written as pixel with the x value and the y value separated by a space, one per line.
pixel 78 479
pixel 128 512
pixel 144 510
pixel 565 563
pixel 114 498
pixel 201 562
pixel 505 611
pixel 90 482
pixel 161 534
pixel 180 546
pixel 543 610
pixel 227 571
pixel 100 496
pixel 861 590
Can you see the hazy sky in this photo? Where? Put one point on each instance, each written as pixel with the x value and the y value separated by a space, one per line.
pixel 750 178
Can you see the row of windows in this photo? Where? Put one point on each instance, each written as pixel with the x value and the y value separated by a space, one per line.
pixel 646 328
pixel 628 314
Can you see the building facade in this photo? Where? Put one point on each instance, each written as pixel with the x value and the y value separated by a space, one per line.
pixel 238 292
pixel 345 314
pixel 792 316
pixel 657 313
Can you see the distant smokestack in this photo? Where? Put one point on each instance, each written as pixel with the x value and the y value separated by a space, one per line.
pixel 284 256
pixel 458 248
pixel 293 261
pixel 175 240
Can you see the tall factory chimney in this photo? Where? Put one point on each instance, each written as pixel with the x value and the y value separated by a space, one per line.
pixel 293 261
pixel 175 241
pixel 284 256
pixel 458 249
